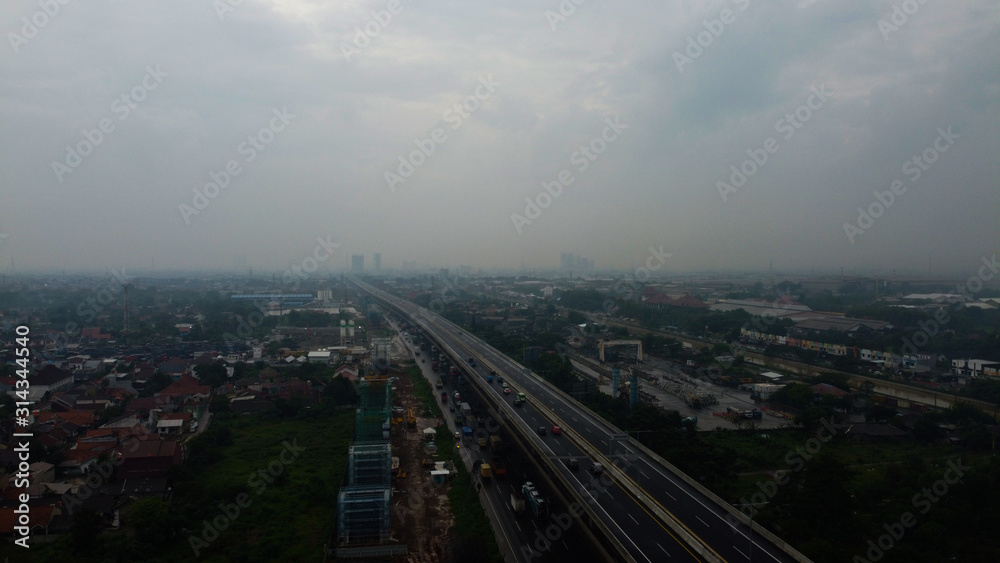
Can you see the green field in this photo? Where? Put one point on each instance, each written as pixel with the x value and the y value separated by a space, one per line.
pixel 286 516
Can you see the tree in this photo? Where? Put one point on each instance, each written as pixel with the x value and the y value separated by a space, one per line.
pixel 340 391
pixel 212 374
pixel 84 530
pixel 219 405
pixel 150 521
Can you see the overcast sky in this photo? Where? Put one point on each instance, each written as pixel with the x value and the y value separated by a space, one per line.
pixel 335 95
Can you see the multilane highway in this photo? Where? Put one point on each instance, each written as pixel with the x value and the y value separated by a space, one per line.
pixel 651 510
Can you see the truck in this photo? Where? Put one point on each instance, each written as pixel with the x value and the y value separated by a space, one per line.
pixel 496 443
pixel 466 410
pixel 485 472
pixel 516 504
pixel 539 505
pixel 411 419
pixel 519 400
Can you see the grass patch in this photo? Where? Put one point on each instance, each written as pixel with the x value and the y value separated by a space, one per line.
pixel 290 516
pixel 423 391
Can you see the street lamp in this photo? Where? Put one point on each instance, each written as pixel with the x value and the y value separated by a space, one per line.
pixel 752 513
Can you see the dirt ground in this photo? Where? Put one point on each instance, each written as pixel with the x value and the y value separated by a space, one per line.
pixel 421 513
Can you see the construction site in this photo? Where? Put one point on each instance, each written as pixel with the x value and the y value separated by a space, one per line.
pixel 394 504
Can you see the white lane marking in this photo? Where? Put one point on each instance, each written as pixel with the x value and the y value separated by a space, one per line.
pixel 633 519
pixel 663 550
pixel 670 495
pixel 703 522
pixel 741 553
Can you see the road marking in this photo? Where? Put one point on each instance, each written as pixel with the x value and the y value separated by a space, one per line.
pixel 633 519
pixel 703 522
pixel 663 550
pixel 741 553
pixel 518 526
pixel 643 474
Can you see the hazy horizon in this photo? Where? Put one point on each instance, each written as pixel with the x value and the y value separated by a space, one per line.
pixel 335 130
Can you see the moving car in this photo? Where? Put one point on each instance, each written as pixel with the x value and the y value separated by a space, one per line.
pixel 556 430
pixel 541 430
pixel 572 463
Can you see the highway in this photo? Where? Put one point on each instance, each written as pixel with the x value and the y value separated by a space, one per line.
pixel 652 512
pixel 521 537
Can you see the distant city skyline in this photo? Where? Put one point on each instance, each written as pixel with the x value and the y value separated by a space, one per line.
pixel 807 133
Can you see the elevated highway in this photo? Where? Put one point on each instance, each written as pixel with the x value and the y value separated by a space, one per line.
pixel 642 508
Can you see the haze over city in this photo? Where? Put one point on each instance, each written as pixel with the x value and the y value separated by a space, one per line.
pixel 344 122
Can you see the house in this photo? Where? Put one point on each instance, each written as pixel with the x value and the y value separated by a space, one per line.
pixel 42 472
pixel 186 387
pixel 174 367
pixel 319 356
pixel 82 419
pixel 173 423
pixel 40 518
pixel 47 379
pixel 142 459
